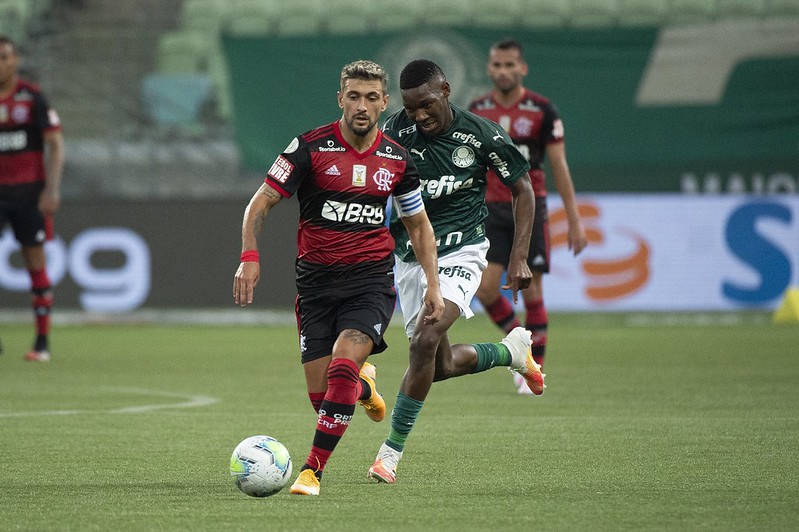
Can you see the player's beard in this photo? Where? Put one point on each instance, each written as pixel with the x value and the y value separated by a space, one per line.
pixel 360 131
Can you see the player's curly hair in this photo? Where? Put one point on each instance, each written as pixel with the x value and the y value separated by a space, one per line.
pixel 418 72
pixel 366 70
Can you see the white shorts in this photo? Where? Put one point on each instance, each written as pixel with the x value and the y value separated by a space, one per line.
pixel 458 275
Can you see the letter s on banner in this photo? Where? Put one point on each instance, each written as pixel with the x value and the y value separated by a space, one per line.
pixel 111 290
pixel 759 252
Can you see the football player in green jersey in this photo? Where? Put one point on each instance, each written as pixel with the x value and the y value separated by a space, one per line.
pixel 453 150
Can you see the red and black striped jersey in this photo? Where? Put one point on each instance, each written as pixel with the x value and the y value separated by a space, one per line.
pixel 532 123
pixel 342 194
pixel 25 117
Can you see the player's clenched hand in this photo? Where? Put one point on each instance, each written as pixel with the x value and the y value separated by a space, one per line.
pixel 434 306
pixel 244 282
pixel 518 278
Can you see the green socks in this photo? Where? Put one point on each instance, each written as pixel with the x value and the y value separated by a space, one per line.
pixel 490 355
pixel 403 417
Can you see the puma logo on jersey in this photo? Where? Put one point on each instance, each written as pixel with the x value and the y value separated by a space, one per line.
pixel 419 153
pixel 498 136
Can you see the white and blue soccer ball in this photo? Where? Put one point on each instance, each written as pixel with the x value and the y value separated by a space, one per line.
pixel 261 466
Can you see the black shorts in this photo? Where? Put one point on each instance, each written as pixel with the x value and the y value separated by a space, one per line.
pixel 19 206
pixel 499 230
pixel 323 313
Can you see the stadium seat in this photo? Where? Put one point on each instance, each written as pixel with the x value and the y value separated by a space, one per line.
pixel 250 26
pixel 175 99
pixel 350 16
pixel 183 52
pixel 396 16
pixel 490 14
pixel 446 13
pixel 220 80
pixel 642 12
pixel 249 17
pixel 782 7
pixel 202 15
pixel 302 18
pixel 691 11
pixel 594 13
pixel 545 13
pixel 13 20
pixel 740 8
pixel 40 7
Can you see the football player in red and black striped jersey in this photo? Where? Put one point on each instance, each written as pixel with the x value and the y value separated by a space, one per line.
pixel 31 164
pixel 533 123
pixel 343 174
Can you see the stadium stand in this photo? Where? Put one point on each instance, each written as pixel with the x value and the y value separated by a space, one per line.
pixel 14 17
pixel 301 18
pixel 249 17
pixel 740 8
pixel 177 99
pixel 350 16
pixel 594 13
pixel 546 13
pixel 172 55
pixel 642 12
pixel 204 16
pixel 391 16
pixel 447 13
pixel 782 8
pixel 183 51
pixel 690 11
pixel 486 14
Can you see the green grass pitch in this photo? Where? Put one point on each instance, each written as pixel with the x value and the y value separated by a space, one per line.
pixel 657 425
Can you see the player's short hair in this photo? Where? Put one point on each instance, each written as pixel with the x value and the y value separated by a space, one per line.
pixel 366 70
pixel 8 41
pixel 509 44
pixel 419 72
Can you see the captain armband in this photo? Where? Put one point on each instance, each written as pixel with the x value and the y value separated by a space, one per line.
pixel 410 203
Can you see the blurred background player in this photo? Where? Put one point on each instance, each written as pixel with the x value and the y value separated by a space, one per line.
pixel 31 165
pixel 453 150
pixel 343 174
pixel 533 124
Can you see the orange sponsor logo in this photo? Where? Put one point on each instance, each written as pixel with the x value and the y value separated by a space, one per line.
pixel 606 279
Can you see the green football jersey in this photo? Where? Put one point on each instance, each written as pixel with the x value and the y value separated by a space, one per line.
pixel 453 167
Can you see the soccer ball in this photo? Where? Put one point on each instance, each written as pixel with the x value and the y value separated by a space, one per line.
pixel 261 466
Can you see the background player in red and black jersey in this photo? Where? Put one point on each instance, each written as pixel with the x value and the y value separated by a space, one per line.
pixel 31 164
pixel 534 126
pixel 343 174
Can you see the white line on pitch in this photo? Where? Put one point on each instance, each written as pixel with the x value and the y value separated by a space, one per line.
pixel 191 401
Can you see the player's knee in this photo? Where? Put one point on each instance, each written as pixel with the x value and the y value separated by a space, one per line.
pixel 424 343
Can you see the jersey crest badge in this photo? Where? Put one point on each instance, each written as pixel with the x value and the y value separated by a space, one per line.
pixel 358 175
pixel 523 126
pixel 463 157
pixel 382 179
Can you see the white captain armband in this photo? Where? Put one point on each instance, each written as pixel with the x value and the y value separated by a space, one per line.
pixel 410 203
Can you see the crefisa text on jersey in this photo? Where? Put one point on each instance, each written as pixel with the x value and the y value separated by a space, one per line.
pixel 467 138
